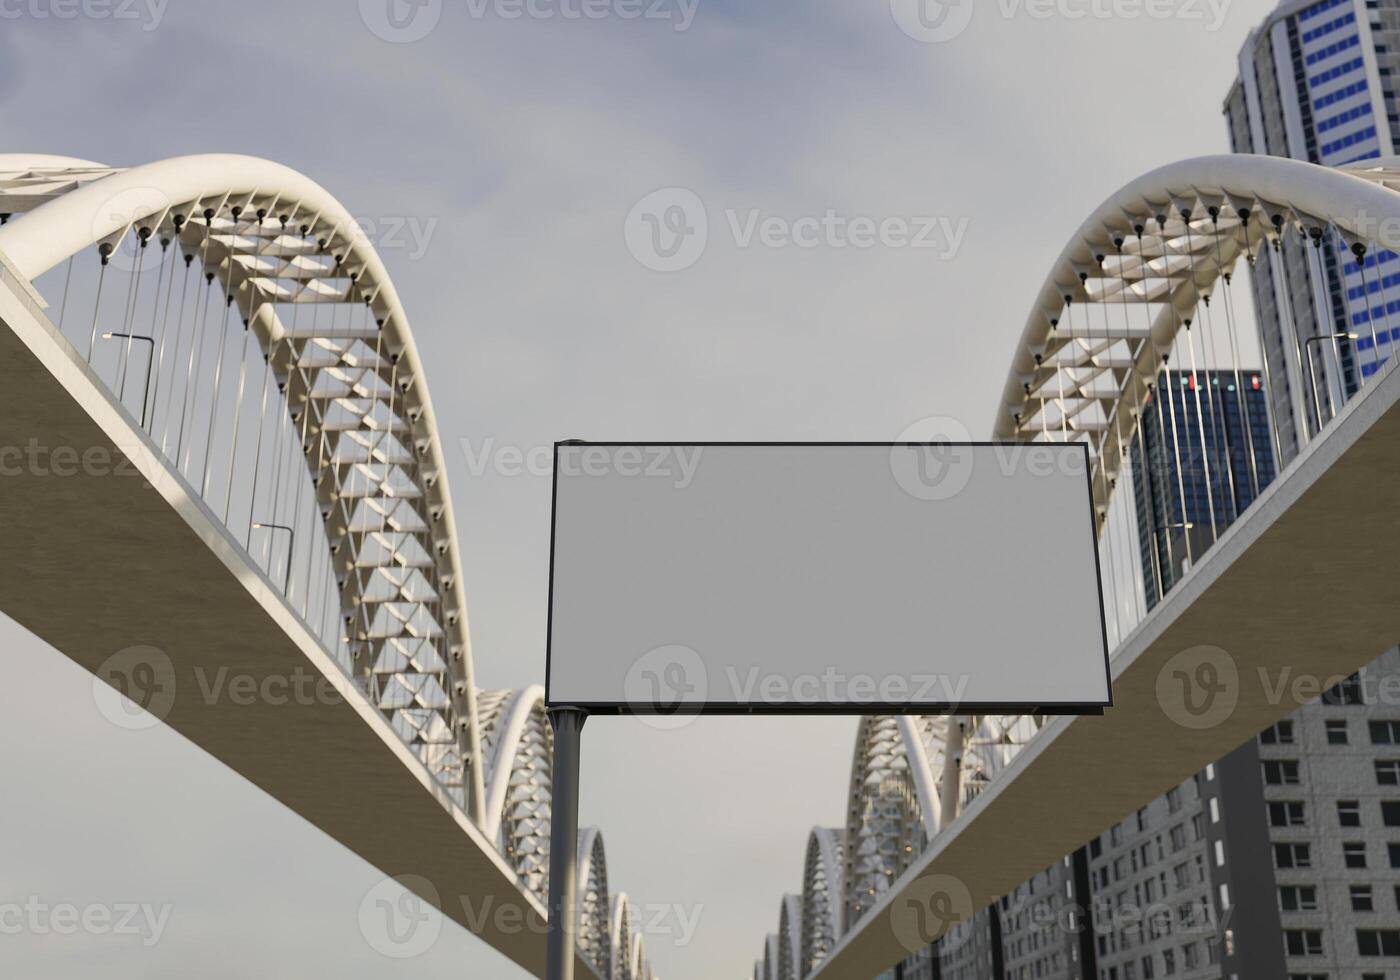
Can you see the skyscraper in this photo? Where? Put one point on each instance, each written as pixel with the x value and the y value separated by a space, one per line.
pixel 1281 860
pixel 1317 82
pixel 1206 438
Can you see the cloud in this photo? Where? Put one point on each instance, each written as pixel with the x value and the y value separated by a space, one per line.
pixel 528 142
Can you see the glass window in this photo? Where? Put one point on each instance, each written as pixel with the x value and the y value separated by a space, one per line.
pixel 1346 693
pixel 1303 942
pixel 1385 732
pixel 1297 898
pixel 1378 942
pixel 1284 772
pixel 1292 856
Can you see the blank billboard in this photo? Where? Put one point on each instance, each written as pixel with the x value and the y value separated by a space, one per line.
pixel 824 577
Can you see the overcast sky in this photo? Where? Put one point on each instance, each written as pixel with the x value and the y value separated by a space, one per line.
pixel 510 151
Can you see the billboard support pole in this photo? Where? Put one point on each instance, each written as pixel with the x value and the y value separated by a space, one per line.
pixel 563 841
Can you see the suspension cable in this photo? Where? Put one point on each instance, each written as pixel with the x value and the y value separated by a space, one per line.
pixel 1386 333
pixel 196 366
pixel 1139 419
pixel 1241 400
pixel 103 251
pixel 154 391
pixel 214 402
pixel 1171 400
pixel 1280 256
pixel 1104 530
pixel 1358 249
pixel 195 369
pixel 1156 401
pixel 133 296
pixel 63 303
pixel 1314 263
pixel 175 355
pixel 1196 387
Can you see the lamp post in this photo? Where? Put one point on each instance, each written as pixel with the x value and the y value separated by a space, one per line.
pixel 145 388
pixel 291 545
pixel 1312 376
pixel 1172 526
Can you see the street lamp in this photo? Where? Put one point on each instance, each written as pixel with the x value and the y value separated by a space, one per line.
pixel 1307 347
pixel 291 544
pixel 145 388
pixel 1173 526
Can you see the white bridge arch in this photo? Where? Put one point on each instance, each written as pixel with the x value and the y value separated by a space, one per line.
pixel 1115 310
pixel 270 237
pixel 1161 244
pixel 342 385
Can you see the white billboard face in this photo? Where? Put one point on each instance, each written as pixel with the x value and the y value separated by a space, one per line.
pixel 816 577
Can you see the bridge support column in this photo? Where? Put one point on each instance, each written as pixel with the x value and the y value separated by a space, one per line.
pixel 563 842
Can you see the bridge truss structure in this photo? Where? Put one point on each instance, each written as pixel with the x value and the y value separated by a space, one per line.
pixel 1143 290
pixel 243 319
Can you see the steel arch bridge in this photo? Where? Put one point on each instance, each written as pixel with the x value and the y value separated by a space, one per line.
pixel 238 318
pixel 1128 299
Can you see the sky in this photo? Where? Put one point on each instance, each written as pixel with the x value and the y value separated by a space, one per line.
pixel 526 169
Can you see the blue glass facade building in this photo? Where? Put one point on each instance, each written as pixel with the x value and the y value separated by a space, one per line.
pixel 1209 454
pixel 1316 83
